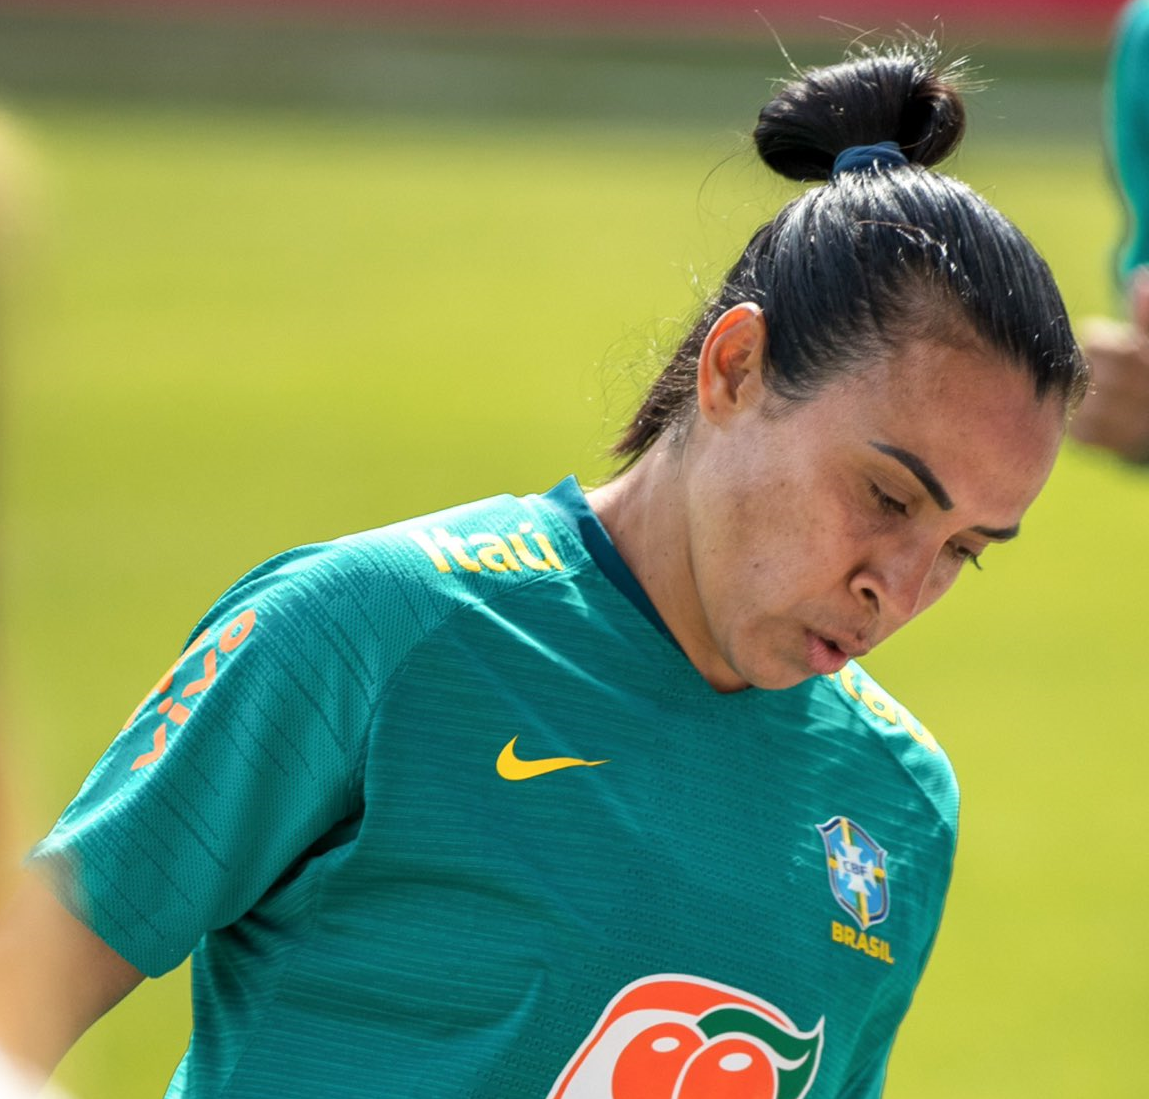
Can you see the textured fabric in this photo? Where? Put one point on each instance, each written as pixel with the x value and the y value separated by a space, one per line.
pixel 1129 129
pixel 384 896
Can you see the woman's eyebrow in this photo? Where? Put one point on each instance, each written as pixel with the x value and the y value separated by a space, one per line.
pixel 920 470
pixel 934 487
pixel 999 534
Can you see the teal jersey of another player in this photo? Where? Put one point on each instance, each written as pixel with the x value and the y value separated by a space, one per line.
pixel 441 810
pixel 1128 107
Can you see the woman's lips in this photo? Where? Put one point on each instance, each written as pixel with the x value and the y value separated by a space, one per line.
pixel 823 656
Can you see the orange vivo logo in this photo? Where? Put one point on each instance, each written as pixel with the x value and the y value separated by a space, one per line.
pixel 234 635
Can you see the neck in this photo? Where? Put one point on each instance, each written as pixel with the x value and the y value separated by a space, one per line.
pixel 645 512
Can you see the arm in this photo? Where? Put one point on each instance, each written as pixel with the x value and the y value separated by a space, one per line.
pixel 1115 415
pixel 246 752
pixel 56 978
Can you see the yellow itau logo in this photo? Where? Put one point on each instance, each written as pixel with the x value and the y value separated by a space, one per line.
pixel 498 553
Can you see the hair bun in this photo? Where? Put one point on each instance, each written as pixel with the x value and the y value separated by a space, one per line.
pixel 898 94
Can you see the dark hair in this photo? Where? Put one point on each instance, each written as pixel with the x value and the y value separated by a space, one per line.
pixel 853 270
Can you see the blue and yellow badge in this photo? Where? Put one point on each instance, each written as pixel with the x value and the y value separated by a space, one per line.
pixel 857 868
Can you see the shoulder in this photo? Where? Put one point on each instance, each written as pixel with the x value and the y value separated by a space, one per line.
pixel 507 538
pixel 397 582
pixel 865 707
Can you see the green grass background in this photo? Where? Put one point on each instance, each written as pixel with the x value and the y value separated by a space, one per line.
pixel 235 328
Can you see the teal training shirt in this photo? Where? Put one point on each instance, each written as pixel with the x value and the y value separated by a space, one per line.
pixel 1128 107
pixel 441 810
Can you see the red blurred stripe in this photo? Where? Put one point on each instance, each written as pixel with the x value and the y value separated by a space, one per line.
pixel 1012 17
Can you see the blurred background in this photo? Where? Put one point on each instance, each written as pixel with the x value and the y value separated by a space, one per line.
pixel 273 273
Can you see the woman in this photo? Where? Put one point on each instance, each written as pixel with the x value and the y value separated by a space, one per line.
pixel 1116 414
pixel 582 795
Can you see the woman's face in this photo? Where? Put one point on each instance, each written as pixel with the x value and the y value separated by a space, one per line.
pixel 816 529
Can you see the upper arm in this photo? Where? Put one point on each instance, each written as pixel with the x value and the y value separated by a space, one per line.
pixel 245 755
pixel 56 977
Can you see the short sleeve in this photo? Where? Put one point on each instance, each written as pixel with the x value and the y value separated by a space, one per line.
pixel 242 757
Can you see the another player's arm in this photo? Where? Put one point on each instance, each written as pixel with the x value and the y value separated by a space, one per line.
pixel 56 978
pixel 1115 415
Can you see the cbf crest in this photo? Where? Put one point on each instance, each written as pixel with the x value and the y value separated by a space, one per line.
pixel 857 868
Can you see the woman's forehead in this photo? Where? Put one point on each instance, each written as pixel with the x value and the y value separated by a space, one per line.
pixel 952 414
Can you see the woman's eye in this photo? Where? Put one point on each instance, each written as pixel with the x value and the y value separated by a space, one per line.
pixel 967 556
pixel 887 502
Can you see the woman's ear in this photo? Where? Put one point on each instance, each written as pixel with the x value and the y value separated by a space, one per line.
pixel 731 361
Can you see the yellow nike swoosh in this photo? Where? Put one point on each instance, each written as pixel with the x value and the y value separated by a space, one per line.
pixel 514 769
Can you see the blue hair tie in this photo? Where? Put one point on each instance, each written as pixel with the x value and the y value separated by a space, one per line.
pixel 869 158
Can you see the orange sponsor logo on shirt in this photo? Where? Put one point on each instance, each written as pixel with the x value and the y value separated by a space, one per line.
pixel 234 635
